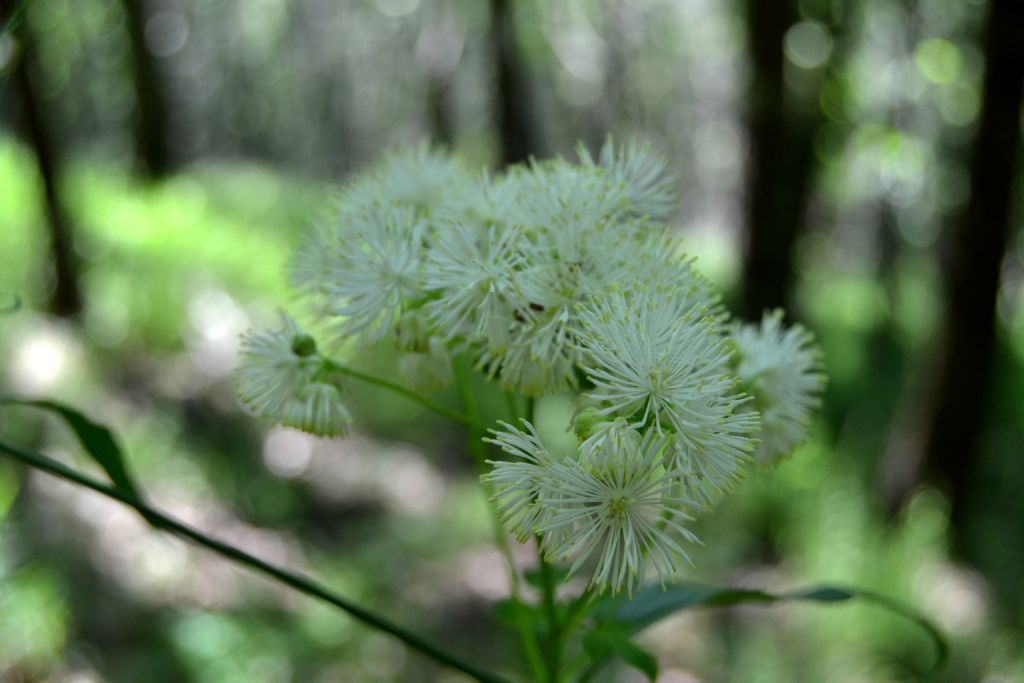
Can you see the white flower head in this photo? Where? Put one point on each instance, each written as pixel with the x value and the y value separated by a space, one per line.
pixel 617 503
pixel 417 179
pixel 559 196
pixel 564 267
pixel 516 484
pixel 282 377
pixel 374 271
pixel 474 277
pixel 653 363
pixel 311 262
pixel 486 201
pixel 711 460
pixel 275 364
pixel 540 358
pixel 781 369
pixel 421 177
pixel 648 358
pixel 660 266
pixel 613 502
pixel 638 173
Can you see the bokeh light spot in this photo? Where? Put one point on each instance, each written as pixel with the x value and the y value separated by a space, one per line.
pixel 808 44
pixel 938 60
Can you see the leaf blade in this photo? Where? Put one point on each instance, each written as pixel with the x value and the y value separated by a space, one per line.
pixel 96 440
pixel 654 604
pixel 602 642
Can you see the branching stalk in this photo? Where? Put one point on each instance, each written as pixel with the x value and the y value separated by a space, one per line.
pixel 438 408
pixel 297 581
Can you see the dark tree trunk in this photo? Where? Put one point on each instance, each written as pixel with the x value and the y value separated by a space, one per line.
pixel 777 171
pixel 782 124
pixel 517 130
pixel 152 143
pixel 66 298
pixel 439 50
pixel 439 106
pixel 976 249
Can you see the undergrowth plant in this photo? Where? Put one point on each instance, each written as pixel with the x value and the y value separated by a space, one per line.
pixel 552 277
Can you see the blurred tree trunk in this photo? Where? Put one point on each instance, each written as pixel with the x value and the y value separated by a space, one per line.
pixel 439 108
pixel 152 142
pixel 783 120
pixel 439 50
pixel 517 126
pixel 779 164
pixel 66 298
pixel 980 233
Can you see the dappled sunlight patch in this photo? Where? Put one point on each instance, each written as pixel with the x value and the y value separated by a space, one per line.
pixel 44 353
pixel 34 616
pixel 287 453
pixel 162 570
pixel 217 324
pixel 958 598
pixel 360 469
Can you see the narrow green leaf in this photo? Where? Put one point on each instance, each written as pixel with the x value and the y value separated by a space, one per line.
pixel 607 640
pixel 652 604
pixel 822 594
pixel 96 440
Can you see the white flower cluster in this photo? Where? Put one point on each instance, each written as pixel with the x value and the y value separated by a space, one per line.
pixel 553 276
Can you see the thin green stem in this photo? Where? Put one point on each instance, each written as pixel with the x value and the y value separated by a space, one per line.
pixel 512 405
pixel 438 408
pixel 547 579
pixel 301 583
pixel 475 445
pixel 576 611
pixel 554 642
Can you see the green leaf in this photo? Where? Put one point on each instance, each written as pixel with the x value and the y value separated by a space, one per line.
pixel 97 440
pixel 652 604
pixel 823 594
pixel 607 640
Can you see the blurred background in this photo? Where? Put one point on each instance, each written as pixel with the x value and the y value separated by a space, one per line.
pixel 856 162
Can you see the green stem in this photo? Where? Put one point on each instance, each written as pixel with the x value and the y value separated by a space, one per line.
pixel 475 445
pixel 295 580
pixel 547 579
pixel 438 408
pixel 576 611
pixel 554 644
pixel 511 404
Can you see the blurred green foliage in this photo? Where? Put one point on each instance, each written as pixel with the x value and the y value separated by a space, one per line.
pixel 153 251
pixel 268 99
